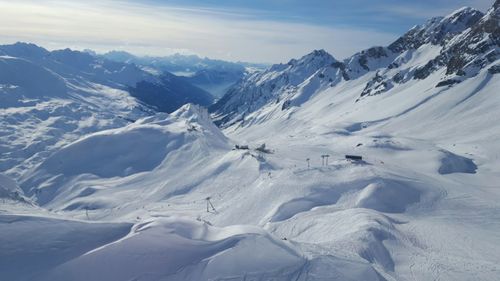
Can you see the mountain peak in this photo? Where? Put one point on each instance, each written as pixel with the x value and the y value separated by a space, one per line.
pixel 23 50
pixel 118 55
pixel 317 55
pixel 464 15
pixel 438 30
pixel 315 59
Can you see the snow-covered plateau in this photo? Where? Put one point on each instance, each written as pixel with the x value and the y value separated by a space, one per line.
pixel 97 186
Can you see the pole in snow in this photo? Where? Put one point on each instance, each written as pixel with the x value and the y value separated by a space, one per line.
pixel 308 164
pixel 209 204
pixel 324 159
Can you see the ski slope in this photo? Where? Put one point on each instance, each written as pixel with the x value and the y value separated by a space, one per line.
pixel 420 206
pixel 174 197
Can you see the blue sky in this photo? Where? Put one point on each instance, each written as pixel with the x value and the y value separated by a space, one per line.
pixel 257 30
pixel 388 15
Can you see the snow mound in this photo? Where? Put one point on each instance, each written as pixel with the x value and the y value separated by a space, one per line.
pixel 30 245
pixel 181 249
pixel 343 229
pixel 116 157
pixel 452 163
pixel 379 194
pixel 388 196
pixel 319 196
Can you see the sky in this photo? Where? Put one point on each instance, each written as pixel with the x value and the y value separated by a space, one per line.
pixel 267 31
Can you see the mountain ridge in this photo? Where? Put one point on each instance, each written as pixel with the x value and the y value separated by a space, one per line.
pixel 421 51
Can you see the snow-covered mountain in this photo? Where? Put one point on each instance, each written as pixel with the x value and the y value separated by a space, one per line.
pixel 462 44
pixel 48 99
pixel 284 84
pixel 269 194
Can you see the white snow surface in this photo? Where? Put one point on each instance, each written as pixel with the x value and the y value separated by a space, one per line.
pixel 423 203
pixel 169 197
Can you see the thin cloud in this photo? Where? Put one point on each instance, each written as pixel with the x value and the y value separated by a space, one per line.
pixel 153 30
pixel 426 10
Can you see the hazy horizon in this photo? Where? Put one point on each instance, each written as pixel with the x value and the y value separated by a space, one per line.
pixel 258 32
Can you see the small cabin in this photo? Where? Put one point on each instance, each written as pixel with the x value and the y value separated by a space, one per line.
pixel 354 157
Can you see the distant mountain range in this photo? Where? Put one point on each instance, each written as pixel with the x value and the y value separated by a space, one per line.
pixel 214 76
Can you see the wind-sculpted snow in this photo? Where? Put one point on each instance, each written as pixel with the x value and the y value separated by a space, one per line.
pixel 388 196
pixel 382 195
pixel 138 147
pixel 182 249
pixel 276 194
pixel 30 246
pixel 49 99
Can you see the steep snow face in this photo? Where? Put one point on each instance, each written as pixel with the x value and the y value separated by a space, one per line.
pixel 437 31
pixel 474 49
pixel 462 44
pixel 282 84
pixel 433 36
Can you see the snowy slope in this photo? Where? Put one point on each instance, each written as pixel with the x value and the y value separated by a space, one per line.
pixel 157 141
pixel 40 111
pixel 458 43
pixel 48 99
pixel 188 250
pixel 175 199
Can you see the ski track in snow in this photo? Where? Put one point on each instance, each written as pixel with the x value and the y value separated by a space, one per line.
pixel 121 195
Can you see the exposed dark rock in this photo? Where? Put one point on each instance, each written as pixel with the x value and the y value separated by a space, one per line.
pixel 398 78
pixel 376 86
pixel 425 71
pixel 286 105
pixel 494 69
pixel 448 82
pixel 436 31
